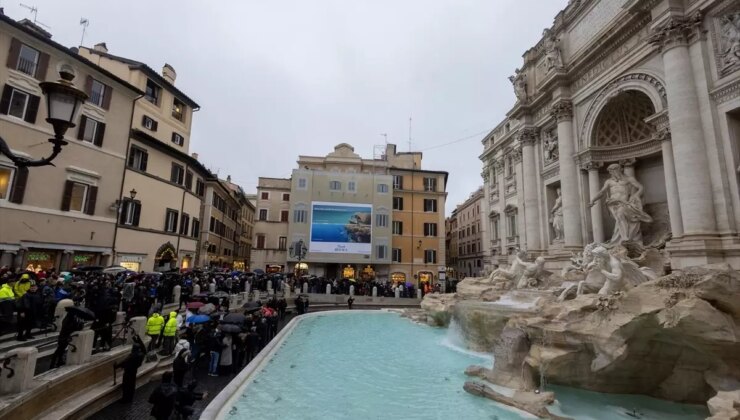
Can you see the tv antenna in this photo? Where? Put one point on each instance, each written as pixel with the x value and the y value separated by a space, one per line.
pixel 385 135
pixel 410 120
pixel 84 22
pixel 35 11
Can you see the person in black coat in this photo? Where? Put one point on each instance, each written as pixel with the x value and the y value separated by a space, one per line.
pixel 29 308
pixel 130 366
pixel 252 344
pixel 163 398
pixel 180 366
pixel 186 397
pixel 70 324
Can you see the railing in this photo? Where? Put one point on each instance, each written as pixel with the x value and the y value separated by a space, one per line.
pixel 96 97
pixel 26 66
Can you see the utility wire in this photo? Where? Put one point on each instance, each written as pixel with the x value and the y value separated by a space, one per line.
pixel 457 140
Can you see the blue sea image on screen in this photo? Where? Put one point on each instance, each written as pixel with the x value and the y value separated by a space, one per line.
pixel 333 223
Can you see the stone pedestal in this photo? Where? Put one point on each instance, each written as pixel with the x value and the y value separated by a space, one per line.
pixel 196 289
pixel 398 294
pixel 352 290
pixel 211 287
pixel 418 293
pixel 247 286
pixel 80 351
pixel 138 324
pixel 176 294
pixel 23 365
pixel 269 287
pixel 328 289
pixel 60 312
pixel 118 323
pixel 286 291
pixel 375 291
pixel 305 287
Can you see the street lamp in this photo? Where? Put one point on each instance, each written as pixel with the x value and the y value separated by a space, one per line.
pixel 298 250
pixel 63 102
pixel 132 193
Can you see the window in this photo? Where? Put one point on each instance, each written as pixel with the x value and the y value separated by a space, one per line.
pixel 130 212
pixel 97 93
pixel 152 92
pixel 149 123
pixel 430 256
pixel 189 180
pixel 511 221
pixel 260 242
pixel 184 224
pixel 381 220
pixel 397 182
pixel 397 203
pixel 137 158
pixel 177 174
pixel 282 243
pixel 382 188
pixel 299 216
pixel 200 188
pixel 263 215
pixel 79 197
pixel 19 104
pixel 178 110
pixel 28 60
pixel 430 184
pixel 335 185
pixel 494 228
pixel 351 186
pixel 302 183
pixel 381 252
pixel 397 228
pixel 509 166
pixel 91 130
pixel 286 197
pixel 196 228
pixel 170 220
pixel 212 226
pixel 283 215
pixel 265 196
pixel 473 248
pixel 178 139
pixel 6 179
pixel 430 204
pixel 430 229
pixel 396 255
pixel 77 200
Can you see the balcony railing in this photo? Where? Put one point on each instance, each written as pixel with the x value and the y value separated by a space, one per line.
pixel 26 66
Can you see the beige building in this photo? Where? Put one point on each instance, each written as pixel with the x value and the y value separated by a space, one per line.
pixel 245 227
pixel 451 250
pixel 65 215
pixel 644 89
pixel 220 229
pixel 272 210
pixel 467 221
pixel 159 228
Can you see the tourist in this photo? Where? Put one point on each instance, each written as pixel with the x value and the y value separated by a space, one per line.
pixel 180 366
pixel 29 308
pixel 350 301
pixel 214 344
pixel 170 329
pixel 7 307
pixel 130 367
pixel 70 324
pixel 154 326
pixel 282 307
pixel 226 360
pixel 163 398
pixel 186 397
pixel 252 342
pixel 22 285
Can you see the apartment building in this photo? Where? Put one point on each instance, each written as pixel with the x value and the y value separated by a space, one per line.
pixel 467 220
pixel 59 216
pixel 220 228
pixel 451 250
pixel 158 226
pixel 272 210
pixel 245 227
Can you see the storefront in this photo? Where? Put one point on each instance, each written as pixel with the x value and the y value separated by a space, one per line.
pixel 166 258
pixel 301 269
pixel 398 277
pixel 367 274
pixel 42 259
pixel 348 272
pixel 84 258
pixel 131 261
pixel 273 268
pixel 425 277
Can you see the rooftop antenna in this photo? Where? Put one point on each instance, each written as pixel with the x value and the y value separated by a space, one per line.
pixel 84 22
pixel 410 133
pixel 35 11
pixel 385 136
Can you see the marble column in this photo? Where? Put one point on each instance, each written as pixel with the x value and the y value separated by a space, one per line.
pixel 563 113
pixel 694 183
pixel 527 138
pixel 671 187
pixel 597 220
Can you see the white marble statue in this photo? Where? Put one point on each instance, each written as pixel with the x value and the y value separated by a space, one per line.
pixel 553 59
pixel 550 148
pixel 730 33
pixel 532 274
pixel 519 80
pixel 556 218
pixel 512 273
pixel 624 201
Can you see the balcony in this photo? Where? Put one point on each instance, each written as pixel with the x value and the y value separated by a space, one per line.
pixel 26 66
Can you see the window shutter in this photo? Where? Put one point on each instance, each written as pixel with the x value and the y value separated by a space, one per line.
pixel 42 66
pixel 99 133
pixel 81 128
pixel 154 125
pixel 13 53
pixel 174 225
pixel 137 213
pixel 19 185
pixel 130 162
pixel 144 159
pixel 106 97
pixel 173 173
pixel 88 86
pixel 92 198
pixel 5 99
pixel 124 211
pixel 67 196
pixel 32 109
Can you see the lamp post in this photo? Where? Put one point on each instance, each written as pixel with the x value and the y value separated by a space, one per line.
pixel 298 250
pixel 63 102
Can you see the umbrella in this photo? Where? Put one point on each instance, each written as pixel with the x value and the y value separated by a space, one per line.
pixel 114 269
pixel 258 271
pixel 207 309
pixel 86 268
pixel 234 319
pixel 230 328
pixel 220 294
pixel 409 284
pixel 81 312
pixel 198 319
pixel 194 305
pixel 250 305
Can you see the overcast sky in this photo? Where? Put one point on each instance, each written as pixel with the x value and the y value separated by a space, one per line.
pixel 279 78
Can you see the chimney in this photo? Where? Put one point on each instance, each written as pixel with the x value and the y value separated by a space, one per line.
pixel 194 155
pixel 228 178
pixel 169 73
pixel 101 47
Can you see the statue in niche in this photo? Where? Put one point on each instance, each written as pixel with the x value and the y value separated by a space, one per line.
pixel 519 80
pixel 730 33
pixel 624 201
pixel 550 148
pixel 553 59
pixel 556 217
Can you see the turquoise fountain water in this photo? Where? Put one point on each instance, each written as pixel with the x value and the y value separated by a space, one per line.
pixel 379 366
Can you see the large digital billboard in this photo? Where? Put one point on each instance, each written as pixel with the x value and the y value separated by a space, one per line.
pixel 344 228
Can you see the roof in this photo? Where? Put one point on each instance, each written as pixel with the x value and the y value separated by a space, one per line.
pixel 157 144
pixel 138 65
pixel 72 54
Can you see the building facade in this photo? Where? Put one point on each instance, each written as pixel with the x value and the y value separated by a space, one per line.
pixel 245 227
pixel 219 235
pixel 158 228
pixel 619 91
pixel 59 216
pixel 451 250
pixel 468 221
pixel 270 240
